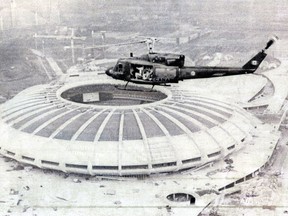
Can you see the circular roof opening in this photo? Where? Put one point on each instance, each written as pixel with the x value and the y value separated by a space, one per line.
pixel 107 94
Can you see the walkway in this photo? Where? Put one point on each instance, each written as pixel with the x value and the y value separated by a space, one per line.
pixel 279 78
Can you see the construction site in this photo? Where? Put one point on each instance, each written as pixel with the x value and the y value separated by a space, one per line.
pixel 74 141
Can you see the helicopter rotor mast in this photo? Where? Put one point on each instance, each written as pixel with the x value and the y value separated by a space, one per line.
pixel 150 42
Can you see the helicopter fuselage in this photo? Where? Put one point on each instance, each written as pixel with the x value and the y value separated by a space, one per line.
pixel 144 72
pixel 162 68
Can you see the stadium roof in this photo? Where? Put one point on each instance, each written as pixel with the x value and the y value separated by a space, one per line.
pixel 119 135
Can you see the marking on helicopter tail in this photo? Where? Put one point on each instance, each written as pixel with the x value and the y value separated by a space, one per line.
pixel 254 62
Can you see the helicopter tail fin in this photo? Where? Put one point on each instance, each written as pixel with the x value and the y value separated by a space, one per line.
pixel 254 63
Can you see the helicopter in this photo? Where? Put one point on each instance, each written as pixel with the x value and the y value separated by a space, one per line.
pixel 165 68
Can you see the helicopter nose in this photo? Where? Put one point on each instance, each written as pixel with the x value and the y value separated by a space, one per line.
pixel 108 72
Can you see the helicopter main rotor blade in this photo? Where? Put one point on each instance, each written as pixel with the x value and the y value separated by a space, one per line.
pixel 111 45
pixel 104 45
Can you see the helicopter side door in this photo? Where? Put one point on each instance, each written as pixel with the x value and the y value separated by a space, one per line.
pixel 153 74
pixel 141 72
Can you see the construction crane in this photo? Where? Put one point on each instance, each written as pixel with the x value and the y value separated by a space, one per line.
pixel 72 38
pixel 13 8
pixel 1 24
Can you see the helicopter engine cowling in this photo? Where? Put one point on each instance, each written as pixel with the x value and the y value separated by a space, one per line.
pixel 179 62
pixel 168 59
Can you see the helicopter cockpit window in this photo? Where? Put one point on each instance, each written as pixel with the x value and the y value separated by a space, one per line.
pixel 120 67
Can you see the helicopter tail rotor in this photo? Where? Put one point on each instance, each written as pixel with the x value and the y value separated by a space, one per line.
pixel 271 42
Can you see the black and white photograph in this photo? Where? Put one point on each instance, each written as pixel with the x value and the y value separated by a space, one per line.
pixel 143 108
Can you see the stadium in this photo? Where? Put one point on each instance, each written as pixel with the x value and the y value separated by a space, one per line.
pixel 86 123
pixel 98 129
pixel 73 142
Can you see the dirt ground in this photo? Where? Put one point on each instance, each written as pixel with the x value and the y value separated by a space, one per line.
pixel 19 68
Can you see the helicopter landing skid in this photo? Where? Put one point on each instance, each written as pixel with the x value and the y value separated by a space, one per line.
pixel 131 89
pixel 165 85
pixel 125 88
